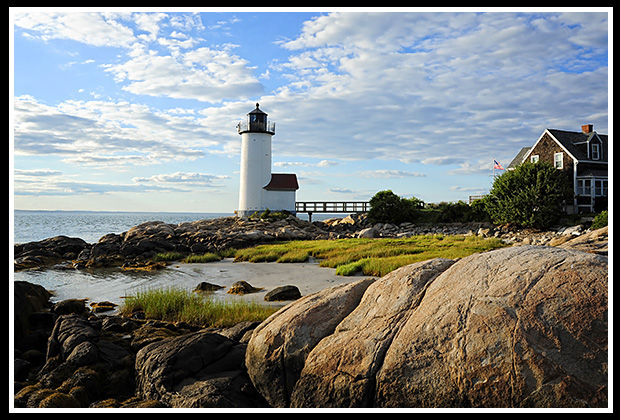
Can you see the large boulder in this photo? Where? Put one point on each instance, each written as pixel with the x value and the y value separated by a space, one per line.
pixel 279 346
pixel 517 327
pixel 341 369
pixel 201 369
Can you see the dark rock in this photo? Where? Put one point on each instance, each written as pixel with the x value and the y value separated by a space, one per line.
pixel 69 332
pixel 240 331
pixel 70 306
pixel 283 293
pixel 207 287
pixel 200 369
pixel 28 299
pixel 47 252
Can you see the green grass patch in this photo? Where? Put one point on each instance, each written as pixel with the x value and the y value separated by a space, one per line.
pixel 168 256
pixel 204 258
pixel 173 305
pixel 375 257
pixel 196 258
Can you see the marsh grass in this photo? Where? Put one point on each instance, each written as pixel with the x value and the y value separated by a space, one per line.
pixel 204 258
pixel 374 257
pixel 195 258
pixel 173 305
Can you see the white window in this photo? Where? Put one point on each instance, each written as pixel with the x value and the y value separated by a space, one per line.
pixel 534 159
pixel 583 187
pixel 600 187
pixel 595 151
pixel 558 160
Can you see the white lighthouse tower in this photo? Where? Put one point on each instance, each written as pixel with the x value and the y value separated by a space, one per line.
pixel 259 189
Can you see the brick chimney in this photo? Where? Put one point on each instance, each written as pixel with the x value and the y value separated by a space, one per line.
pixel 588 128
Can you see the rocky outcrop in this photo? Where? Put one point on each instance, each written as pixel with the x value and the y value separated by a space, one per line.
pixel 140 244
pixel 516 327
pixel 596 241
pixel 47 252
pixel 77 360
pixel 136 248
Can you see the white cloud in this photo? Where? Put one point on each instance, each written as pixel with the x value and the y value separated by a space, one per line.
pixel 185 178
pixel 342 191
pixel 107 134
pixel 390 173
pixel 179 71
pixel 89 28
pixel 203 74
pixel 322 164
pixel 413 86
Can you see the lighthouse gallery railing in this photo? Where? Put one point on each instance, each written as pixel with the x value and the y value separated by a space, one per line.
pixel 269 126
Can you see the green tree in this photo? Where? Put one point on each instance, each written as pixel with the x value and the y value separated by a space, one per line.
pixel 530 196
pixel 387 207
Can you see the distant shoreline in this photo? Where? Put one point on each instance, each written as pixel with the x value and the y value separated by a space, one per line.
pixel 119 211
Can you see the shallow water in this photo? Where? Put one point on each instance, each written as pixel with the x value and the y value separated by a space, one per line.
pixel 113 284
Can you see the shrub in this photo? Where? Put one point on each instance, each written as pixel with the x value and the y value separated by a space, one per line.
pixel 387 207
pixel 458 212
pixel 600 221
pixel 530 196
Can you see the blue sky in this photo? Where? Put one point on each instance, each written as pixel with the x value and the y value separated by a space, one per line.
pixel 135 109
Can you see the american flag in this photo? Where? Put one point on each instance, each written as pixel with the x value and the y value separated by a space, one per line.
pixel 497 165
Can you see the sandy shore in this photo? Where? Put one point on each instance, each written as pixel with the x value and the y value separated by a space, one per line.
pixel 308 277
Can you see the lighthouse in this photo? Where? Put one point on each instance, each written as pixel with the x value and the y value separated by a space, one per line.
pixel 259 189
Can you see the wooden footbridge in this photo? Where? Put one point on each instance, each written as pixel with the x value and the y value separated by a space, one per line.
pixel 331 207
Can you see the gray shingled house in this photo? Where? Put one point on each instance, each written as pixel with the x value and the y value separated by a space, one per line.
pixel 583 155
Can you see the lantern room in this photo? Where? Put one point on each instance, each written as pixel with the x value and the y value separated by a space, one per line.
pixel 256 122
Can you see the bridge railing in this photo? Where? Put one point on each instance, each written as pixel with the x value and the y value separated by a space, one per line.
pixel 332 207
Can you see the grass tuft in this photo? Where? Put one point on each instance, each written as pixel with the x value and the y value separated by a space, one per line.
pixel 174 305
pixel 204 258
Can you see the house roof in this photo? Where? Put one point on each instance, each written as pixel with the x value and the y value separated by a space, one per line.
pixel 518 160
pixel 576 143
pixel 282 182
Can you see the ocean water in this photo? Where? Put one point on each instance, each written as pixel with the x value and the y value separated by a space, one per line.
pixel 31 226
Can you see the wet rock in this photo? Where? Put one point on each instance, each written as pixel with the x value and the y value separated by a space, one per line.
pixel 242 288
pixel 207 287
pixel 70 306
pixel 283 293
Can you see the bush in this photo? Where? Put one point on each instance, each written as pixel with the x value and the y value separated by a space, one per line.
pixel 530 196
pixel 460 211
pixel 600 221
pixel 387 207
